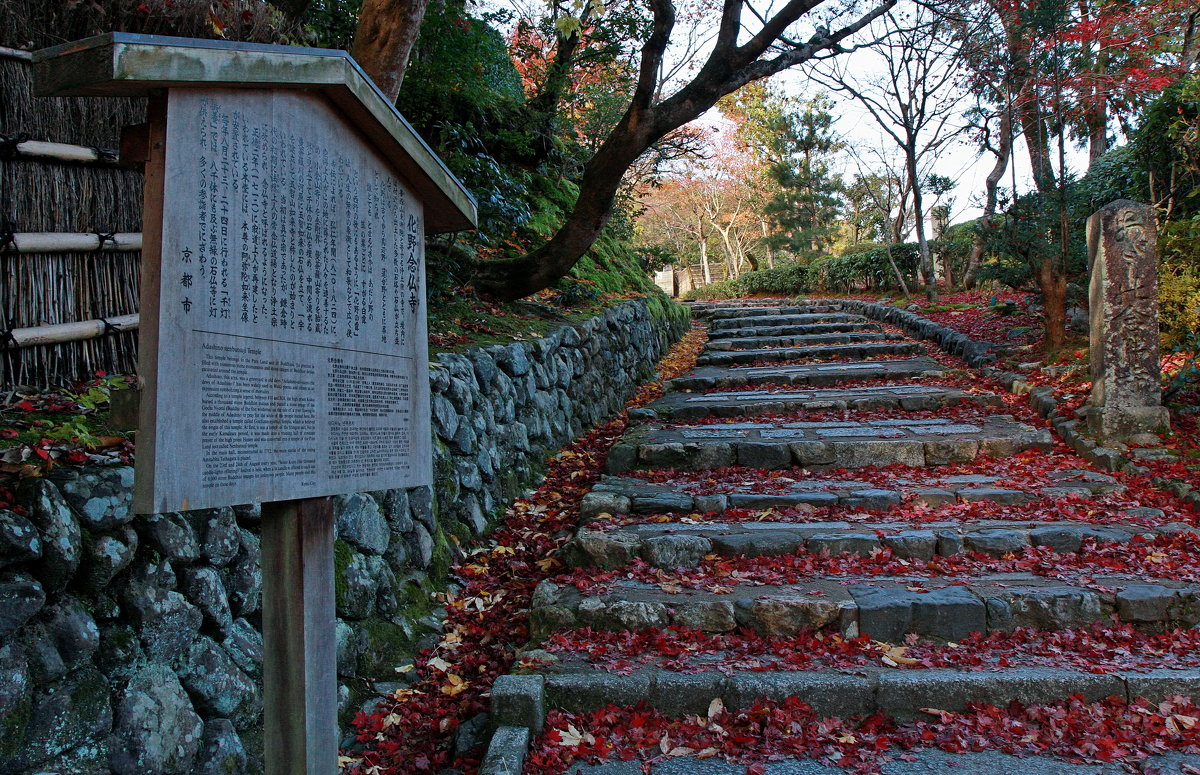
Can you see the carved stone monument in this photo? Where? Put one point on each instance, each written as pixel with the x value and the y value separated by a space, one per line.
pixel 1126 401
pixel 283 322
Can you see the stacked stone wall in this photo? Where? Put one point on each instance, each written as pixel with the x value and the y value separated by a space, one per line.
pixel 131 644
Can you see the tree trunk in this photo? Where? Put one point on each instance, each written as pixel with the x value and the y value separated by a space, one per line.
pixel 1053 285
pixel 704 266
pixel 914 183
pixel 514 278
pixel 899 277
pixel 1097 115
pixel 383 39
pixel 992 184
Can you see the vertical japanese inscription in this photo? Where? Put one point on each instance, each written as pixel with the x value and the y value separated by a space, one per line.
pixel 291 316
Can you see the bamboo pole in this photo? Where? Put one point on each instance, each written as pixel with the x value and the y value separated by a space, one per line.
pixel 63 242
pixel 15 53
pixel 39 149
pixel 69 332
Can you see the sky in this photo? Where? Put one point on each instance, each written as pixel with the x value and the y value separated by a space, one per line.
pixel 959 160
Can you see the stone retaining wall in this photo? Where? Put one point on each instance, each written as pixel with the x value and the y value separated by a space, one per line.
pixel 131 644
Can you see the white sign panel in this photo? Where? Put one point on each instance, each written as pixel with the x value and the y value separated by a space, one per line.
pixel 289 321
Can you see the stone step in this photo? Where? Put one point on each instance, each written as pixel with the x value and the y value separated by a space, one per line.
pixel 620 496
pixel 778 310
pixel 918 761
pixel 801 340
pixel 817 445
pixel 884 608
pixel 912 397
pixel 798 330
pixel 672 546
pixel 707 377
pixel 816 352
pixel 779 317
pixel 901 693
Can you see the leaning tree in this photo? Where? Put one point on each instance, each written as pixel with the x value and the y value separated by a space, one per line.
pixel 748 42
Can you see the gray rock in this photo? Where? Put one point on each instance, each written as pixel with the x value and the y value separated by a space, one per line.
pixel 59 532
pixel 623 615
pixel 172 536
pixel 420 501
pixel 994 494
pixel 217 532
pixel 1060 538
pixel 355 589
pixel 757 543
pixel 997 542
pixel 45 663
pixel 675 551
pixel 360 521
pixel 156 729
pixel 16 682
pixel 912 544
pixel 709 504
pixel 662 502
pixel 166 622
pixel 422 546
pixel 1145 603
pixel 468 475
pixel 784 616
pixel 445 418
pixel 221 752
pixel 705 615
pixel 214 681
pixel 519 700
pixel 934 496
pixel 485 368
pixel 597 502
pixel 21 596
pixel 244 644
pixel 386 603
pixel 120 653
pixel 1055 608
pixel 101 498
pixel 203 588
pixel 949 542
pixel 106 556
pixel 242 577
pixel 73 631
pixel 597 549
pixel 19 540
pixel 763 455
pixel 872 498
pixel 843 543
pixel 64 715
pixel 513 359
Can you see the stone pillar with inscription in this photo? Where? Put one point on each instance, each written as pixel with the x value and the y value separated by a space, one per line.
pixel 1126 401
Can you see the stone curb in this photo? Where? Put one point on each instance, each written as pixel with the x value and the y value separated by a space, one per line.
pixel 981 355
pixel 622 496
pixel 764 341
pixel 861 351
pixel 901 693
pixel 882 607
pixel 672 546
pixel 799 329
pixel 506 753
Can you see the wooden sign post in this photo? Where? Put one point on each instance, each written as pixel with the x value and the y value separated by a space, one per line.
pixel 283 324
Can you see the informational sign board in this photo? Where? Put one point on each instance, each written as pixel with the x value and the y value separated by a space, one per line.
pixel 290 309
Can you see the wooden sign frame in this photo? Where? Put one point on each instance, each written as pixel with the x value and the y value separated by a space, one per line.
pixel 299 670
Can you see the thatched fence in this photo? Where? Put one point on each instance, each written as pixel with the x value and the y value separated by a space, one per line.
pixel 68 218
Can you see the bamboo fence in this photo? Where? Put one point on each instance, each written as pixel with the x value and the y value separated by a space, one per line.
pixel 77 198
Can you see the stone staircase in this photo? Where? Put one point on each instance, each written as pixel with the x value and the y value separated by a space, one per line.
pixel 889 509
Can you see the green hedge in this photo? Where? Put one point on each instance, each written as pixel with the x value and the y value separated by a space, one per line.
pixel 866 270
